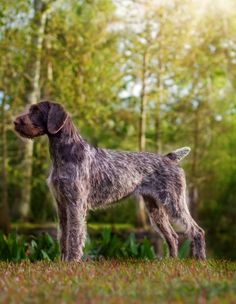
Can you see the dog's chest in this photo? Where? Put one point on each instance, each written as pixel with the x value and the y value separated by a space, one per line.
pixel 65 184
pixel 52 185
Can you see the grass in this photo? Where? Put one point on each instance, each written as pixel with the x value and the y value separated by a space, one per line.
pixel 114 281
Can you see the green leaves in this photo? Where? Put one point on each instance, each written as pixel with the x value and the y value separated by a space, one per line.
pixel 147 250
pixel 184 250
pixel 16 248
pixel 43 248
pixel 106 245
pixel 12 248
pixel 110 245
pixel 132 246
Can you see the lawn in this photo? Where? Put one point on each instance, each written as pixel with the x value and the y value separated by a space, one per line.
pixel 130 281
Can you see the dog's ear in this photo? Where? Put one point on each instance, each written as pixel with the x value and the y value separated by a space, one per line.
pixel 56 118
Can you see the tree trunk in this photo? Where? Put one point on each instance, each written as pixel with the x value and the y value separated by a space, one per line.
pixel 46 92
pixel 158 110
pixel 160 88
pixel 41 10
pixel 193 199
pixel 4 209
pixel 143 102
pixel 193 192
pixel 140 214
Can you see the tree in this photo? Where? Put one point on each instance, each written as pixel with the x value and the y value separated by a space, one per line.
pixel 4 208
pixel 10 88
pixel 41 12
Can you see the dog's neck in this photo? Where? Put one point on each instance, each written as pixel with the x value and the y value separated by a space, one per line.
pixel 67 144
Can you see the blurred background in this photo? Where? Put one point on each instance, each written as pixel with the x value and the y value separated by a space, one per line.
pixel 135 75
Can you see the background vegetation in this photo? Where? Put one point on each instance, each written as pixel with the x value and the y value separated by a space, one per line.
pixel 135 75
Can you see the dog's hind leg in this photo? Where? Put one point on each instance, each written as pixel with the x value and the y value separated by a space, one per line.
pixel 193 232
pixel 160 223
pixel 177 209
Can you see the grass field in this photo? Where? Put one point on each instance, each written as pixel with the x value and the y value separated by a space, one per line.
pixel 130 281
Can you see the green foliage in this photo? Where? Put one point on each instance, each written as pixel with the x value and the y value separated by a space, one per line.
pixel 184 250
pixel 43 248
pixel 16 248
pixel 219 218
pixel 92 62
pixel 12 248
pixel 39 188
pixel 122 212
pixel 109 245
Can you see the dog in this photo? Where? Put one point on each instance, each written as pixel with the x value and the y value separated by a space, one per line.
pixel 83 177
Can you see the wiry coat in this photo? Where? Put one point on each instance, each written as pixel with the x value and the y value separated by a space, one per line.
pixel 84 177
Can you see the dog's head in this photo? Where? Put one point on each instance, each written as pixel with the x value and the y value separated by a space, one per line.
pixel 42 118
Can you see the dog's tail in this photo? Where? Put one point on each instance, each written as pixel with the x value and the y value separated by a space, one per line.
pixel 178 154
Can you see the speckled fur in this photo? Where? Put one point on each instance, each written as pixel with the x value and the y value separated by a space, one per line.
pixel 84 177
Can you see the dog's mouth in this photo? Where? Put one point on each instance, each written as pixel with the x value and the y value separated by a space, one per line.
pixel 36 132
pixel 22 133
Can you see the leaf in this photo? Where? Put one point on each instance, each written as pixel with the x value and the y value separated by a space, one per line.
pixel 147 250
pixel 106 235
pixel 133 246
pixel 184 249
pixel 45 255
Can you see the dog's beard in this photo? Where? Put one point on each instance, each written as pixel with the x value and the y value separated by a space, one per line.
pixel 22 134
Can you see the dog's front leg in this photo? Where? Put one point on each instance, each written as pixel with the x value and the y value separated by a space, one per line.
pixel 63 229
pixel 76 230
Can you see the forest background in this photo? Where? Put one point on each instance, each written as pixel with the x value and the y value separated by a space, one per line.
pixel 135 75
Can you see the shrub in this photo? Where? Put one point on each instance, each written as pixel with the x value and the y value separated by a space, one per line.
pixel 108 245
pixel 17 247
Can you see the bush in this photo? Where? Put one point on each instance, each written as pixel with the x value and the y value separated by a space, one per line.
pixel 17 247
pixel 108 245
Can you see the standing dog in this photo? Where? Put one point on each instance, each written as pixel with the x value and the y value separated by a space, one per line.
pixel 84 177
